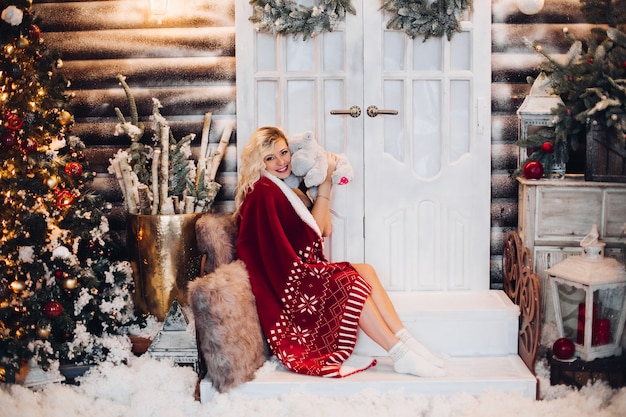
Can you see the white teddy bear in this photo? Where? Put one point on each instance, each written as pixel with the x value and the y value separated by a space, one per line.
pixel 309 164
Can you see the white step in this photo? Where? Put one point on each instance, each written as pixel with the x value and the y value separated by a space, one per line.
pixel 474 331
pixel 457 323
pixel 472 376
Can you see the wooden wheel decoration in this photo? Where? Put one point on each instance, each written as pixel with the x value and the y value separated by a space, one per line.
pixel 512 248
pixel 530 320
pixel 522 286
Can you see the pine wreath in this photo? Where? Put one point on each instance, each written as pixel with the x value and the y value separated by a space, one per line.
pixel 419 17
pixel 288 17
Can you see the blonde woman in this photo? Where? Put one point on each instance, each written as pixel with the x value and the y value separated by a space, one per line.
pixel 310 309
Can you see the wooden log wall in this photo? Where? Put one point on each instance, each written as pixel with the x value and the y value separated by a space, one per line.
pixel 512 61
pixel 188 63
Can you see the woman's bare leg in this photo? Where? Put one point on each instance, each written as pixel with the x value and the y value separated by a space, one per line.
pixel 380 297
pixel 374 325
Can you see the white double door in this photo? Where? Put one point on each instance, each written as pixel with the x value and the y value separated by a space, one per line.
pixel 412 118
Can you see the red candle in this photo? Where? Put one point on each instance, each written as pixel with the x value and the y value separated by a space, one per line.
pixel 580 335
pixel 601 332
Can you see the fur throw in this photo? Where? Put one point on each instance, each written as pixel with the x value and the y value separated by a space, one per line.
pixel 229 336
pixel 216 236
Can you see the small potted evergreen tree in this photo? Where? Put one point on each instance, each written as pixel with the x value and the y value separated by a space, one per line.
pixel 591 80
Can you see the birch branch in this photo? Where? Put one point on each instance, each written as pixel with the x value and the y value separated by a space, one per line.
pixel 204 145
pixel 156 156
pixel 219 153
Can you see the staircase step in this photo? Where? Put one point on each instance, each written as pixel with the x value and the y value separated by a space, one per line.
pixel 474 331
pixel 456 323
pixel 470 375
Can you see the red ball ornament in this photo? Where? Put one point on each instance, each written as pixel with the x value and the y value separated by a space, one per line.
pixel 8 140
pixel 29 146
pixel 65 198
pixel 74 169
pixel 34 32
pixel 563 348
pixel 547 147
pixel 58 274
pixel 590 60
pixel 53 309
pixel 14 122
pixel 533 170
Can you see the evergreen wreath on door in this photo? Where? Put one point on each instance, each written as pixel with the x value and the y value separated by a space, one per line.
pixel 414 17
pixel 288 17
pixel 419 17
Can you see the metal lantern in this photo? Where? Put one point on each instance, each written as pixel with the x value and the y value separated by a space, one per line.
pixel 174 341
pixel 589 294
pixel 535 113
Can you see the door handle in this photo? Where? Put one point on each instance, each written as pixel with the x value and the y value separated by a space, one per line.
pixel 373 111
pixel 354 111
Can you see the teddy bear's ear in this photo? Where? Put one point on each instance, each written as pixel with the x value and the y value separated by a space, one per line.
pixel 296 141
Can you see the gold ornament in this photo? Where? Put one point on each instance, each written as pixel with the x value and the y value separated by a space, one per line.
pixel 65 118
pixel 69 283
pixel 43 332
pixel 52 182
pixel 18 286
pixel 22 42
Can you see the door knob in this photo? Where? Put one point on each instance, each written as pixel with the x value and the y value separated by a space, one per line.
pixel 354 111
pixel 373 111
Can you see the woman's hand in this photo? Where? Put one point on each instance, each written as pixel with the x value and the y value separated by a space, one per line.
pixel 332 159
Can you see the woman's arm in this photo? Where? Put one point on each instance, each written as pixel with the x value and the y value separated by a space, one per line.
pixel 321 206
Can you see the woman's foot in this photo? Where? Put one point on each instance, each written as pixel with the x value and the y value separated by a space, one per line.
pixel 419 348
pixel 405 361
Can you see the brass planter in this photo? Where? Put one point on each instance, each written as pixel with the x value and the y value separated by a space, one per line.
pixel 164 256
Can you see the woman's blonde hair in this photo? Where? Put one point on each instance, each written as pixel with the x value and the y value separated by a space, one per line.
pixel 252 163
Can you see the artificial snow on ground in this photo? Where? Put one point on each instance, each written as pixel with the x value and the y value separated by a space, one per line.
pixel 146 387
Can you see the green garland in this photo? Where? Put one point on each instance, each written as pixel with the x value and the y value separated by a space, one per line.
pixel 418 17
pixel 288 17
pixel 415 17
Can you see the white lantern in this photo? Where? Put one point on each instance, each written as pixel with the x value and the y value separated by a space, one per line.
pixel 535 113
pixel 589 293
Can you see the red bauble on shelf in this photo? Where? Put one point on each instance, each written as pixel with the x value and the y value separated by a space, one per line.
pixel 533 170
pixel 547 147
pixel 563 349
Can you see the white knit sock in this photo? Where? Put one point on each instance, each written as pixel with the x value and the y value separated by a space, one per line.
pixel 418 348
pixel 405 361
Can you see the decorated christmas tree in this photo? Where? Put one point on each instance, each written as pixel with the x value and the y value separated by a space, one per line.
pixel 64 288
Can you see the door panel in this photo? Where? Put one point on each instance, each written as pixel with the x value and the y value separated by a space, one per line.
pixel 427 168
